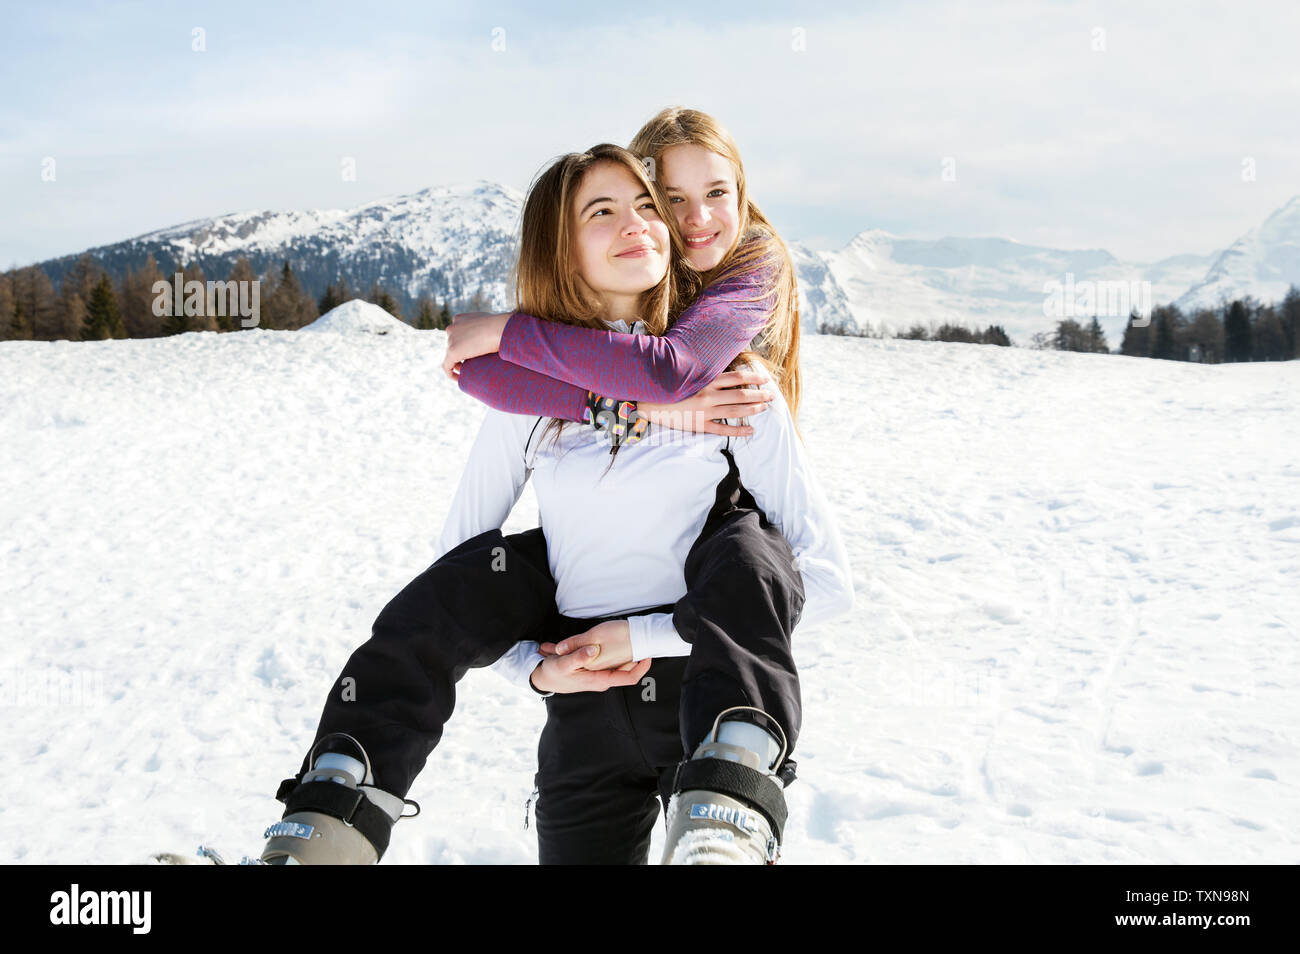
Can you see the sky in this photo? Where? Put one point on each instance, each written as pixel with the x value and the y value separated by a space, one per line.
pixel 1147 129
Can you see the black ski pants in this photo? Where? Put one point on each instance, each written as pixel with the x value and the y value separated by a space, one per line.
pixel 606 763
pixel 398 689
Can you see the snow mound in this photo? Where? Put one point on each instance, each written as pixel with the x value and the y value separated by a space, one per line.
pixel 358 317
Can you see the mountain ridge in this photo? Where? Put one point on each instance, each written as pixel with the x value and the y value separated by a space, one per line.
pixel 455 241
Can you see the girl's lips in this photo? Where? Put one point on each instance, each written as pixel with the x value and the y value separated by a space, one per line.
pixel 701 241
pixel 639 252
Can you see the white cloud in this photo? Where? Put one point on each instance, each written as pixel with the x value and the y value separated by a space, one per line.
pixel 1136 149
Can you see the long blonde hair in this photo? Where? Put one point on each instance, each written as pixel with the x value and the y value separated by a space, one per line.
pixel 757 245
pixel 546 284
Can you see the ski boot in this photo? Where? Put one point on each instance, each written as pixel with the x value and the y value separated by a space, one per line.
pixel 728 805
pixel 334 814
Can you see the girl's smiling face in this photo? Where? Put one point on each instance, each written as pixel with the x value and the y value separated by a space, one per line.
pixel 701 187
pixel 620 244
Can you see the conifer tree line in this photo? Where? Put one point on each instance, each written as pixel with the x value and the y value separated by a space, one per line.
pixel 993 334
pixel 90 305
pixel 1241 330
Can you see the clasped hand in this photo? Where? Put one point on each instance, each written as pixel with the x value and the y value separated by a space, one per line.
pixel 470 335
pixel 592 661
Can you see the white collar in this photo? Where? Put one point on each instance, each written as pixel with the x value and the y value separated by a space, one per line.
pixel 638 327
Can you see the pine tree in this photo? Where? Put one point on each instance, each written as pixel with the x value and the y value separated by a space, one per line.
pixel 1137 339
pixel 332 298
pixel 1206 333
pixel 1070 336
pixel 1096 337
pixel 176 323
pixel 6 307
pixel 73 314
pixel 1163 345
pixel 205 319
pixel 1291 322
pixel 82 277
pixel 951 332
pixel 1236 333
pixel 285 306
pixel 103 316
pixel 36 311
pixel 444 317
pixel 75 291
pixel 138 300
pixel 1270 342
pixel 294 308
pixel 244 277
pixel 284 298
pixel 425 319
pixel 172 319
pixel 271 317
pixel 996 335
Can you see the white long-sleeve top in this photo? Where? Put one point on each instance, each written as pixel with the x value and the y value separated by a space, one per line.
pixel 618 543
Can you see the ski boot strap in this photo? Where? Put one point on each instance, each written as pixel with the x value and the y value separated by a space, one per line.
pixel 741 782
pixel 349 804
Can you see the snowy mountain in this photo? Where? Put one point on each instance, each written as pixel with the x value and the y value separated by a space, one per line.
pixel 1074 642
pixel 450 242
pixel 823 305
pixel 1263 263
pixel 882 281
pixel 891 283
pixel 455 241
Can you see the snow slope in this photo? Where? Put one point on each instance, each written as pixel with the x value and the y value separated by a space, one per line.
pixel 1076 575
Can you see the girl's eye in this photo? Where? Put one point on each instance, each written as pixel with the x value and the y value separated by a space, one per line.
pixel 717 192
pixel 674 199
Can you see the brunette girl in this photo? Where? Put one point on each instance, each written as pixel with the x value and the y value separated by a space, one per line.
pixel 518 363
pixel 488 590
pixel 617 536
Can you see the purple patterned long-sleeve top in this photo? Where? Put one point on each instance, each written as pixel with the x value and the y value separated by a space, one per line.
pixel 547 368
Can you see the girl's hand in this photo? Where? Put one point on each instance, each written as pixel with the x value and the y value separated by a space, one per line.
pixel 470 335
pixel 613 642
pixel 703 411
pixel 566 674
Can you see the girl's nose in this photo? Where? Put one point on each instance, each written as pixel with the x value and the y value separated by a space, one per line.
pixel 634 224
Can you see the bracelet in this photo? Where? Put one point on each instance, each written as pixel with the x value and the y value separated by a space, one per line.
pixel 619 419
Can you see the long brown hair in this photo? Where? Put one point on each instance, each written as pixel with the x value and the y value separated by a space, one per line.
pixel 546 284
pixel 757 245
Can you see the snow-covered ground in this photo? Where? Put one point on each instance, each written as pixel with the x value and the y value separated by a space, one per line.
pixel 1077 583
